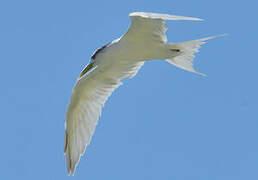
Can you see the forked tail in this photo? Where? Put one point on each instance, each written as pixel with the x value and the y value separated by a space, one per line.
pixel 187 49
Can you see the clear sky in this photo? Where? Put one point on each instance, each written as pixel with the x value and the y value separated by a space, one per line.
pixel 165 123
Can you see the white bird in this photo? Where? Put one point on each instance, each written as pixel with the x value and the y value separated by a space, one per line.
pixel 120 59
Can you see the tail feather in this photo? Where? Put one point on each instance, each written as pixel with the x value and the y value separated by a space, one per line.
pixel 186 53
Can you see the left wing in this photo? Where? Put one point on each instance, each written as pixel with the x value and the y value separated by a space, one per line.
pixel 88 97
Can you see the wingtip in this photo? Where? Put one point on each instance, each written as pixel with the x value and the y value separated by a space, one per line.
pixel 68 173
pixel 71 164
pixel 195 19
pixel 68 165
pixel 163 16
pixel 71 170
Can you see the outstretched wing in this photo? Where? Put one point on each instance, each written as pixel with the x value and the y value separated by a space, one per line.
pixel 88 97
pixel 151 26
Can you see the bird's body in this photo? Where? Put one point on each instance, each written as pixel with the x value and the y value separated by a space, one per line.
pixel 120 59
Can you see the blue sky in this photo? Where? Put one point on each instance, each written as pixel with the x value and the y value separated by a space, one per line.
pixel 165 123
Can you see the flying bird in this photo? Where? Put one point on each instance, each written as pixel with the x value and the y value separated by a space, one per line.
pixel 122 58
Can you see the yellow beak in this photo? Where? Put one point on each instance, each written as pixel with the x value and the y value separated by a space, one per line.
pixel 86 69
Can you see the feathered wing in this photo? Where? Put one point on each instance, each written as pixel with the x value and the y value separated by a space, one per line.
pixel 151 26
pixel 89 96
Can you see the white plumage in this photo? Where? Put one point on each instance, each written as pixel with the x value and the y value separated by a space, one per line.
pixel 122 58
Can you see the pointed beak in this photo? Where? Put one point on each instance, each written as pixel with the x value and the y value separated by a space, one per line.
pixel 87 69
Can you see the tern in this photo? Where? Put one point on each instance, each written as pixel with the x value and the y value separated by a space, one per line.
pixel 122 58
